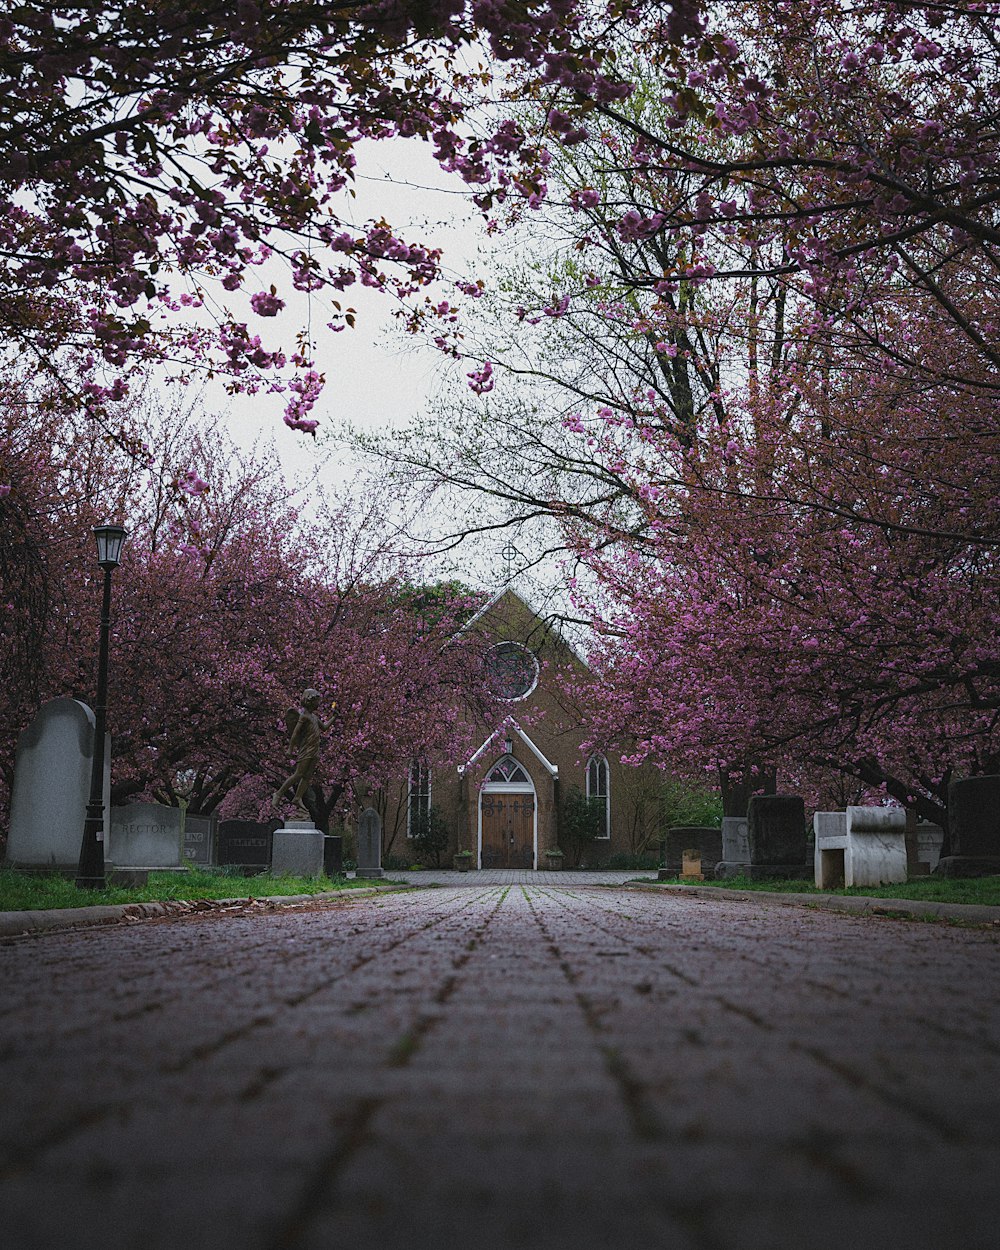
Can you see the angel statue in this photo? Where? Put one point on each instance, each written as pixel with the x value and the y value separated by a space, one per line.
pixel 306 730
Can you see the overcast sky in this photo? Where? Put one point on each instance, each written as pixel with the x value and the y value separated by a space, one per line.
pixel 376 375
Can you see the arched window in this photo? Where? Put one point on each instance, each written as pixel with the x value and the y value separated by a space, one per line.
pixel 418 799
pixel 597 788
pixel 507 771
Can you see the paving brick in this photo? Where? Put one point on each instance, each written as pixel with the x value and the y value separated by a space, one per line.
pixel 503 1065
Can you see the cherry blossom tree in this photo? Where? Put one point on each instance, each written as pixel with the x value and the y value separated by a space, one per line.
pixel 233 596
pixel 771 333
pixel 152 160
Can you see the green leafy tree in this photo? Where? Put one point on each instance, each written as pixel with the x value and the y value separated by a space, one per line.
pixel 687 803
pixel 582 822
pixel 430 835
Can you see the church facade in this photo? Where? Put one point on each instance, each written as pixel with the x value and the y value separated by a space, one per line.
pixel 509 802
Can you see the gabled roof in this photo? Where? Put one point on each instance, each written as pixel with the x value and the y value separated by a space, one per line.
pixel 512 725
pixel 508 589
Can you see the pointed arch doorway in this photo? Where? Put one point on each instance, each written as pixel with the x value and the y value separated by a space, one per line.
pixel 508 823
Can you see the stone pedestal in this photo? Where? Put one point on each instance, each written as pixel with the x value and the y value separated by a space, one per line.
pixel 297 850
pixel 968 866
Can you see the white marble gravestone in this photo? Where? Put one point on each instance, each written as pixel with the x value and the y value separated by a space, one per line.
pixel 370 844
pixel 51 787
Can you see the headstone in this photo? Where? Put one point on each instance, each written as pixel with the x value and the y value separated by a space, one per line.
pixel 145 835
pixel 51 787
pixel 297 850
pixel 244 844
pixel 876 846
pixel 691 864
pixel 974 826
pixel 930 839
pixel 735 848
pixel 333 855
pixel 830 850
pixel 370 844
pixel 776 833
pixel 703 840
pixel 199 832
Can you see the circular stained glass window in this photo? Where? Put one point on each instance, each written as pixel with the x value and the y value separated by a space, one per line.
pixel 511 670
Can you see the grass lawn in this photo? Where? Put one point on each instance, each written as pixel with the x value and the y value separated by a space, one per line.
pixel 981 890
pixel 31 892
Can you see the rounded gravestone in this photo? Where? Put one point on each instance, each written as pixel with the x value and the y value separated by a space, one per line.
pixel 52 774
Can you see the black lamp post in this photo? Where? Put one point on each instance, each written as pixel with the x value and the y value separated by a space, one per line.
pixel 90 874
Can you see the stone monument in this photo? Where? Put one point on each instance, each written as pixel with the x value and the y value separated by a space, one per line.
pixel 974 826
pixel 145 835
pixel 370 844
pixel 51 787
pixel 333 855
pixel 735 848
pixel 776 834
pixel 199 834
pixel 930 839
pixel 244 845
pixel 297 850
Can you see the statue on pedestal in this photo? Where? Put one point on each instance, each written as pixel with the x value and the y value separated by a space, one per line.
pixel 306 737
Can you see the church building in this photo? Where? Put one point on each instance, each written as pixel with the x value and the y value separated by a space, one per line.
pixel 507 802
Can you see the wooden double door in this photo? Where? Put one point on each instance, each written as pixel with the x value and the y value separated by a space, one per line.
pixel 508 829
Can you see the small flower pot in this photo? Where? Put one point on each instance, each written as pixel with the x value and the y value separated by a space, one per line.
pixel 553 863
pixel 462 863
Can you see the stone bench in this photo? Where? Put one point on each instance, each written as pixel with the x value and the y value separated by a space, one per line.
pixel 862 846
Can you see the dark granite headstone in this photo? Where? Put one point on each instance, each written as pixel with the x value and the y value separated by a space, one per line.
pixel 776 833
pixel 198 833
pixel 974 828
pixel 245 844
pixel 703 839
pixel 369 844
pixel 333 855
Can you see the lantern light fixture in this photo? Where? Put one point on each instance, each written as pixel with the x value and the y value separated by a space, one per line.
pixel 110 539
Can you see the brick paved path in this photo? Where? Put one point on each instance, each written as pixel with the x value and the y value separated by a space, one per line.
pixel 538 1066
